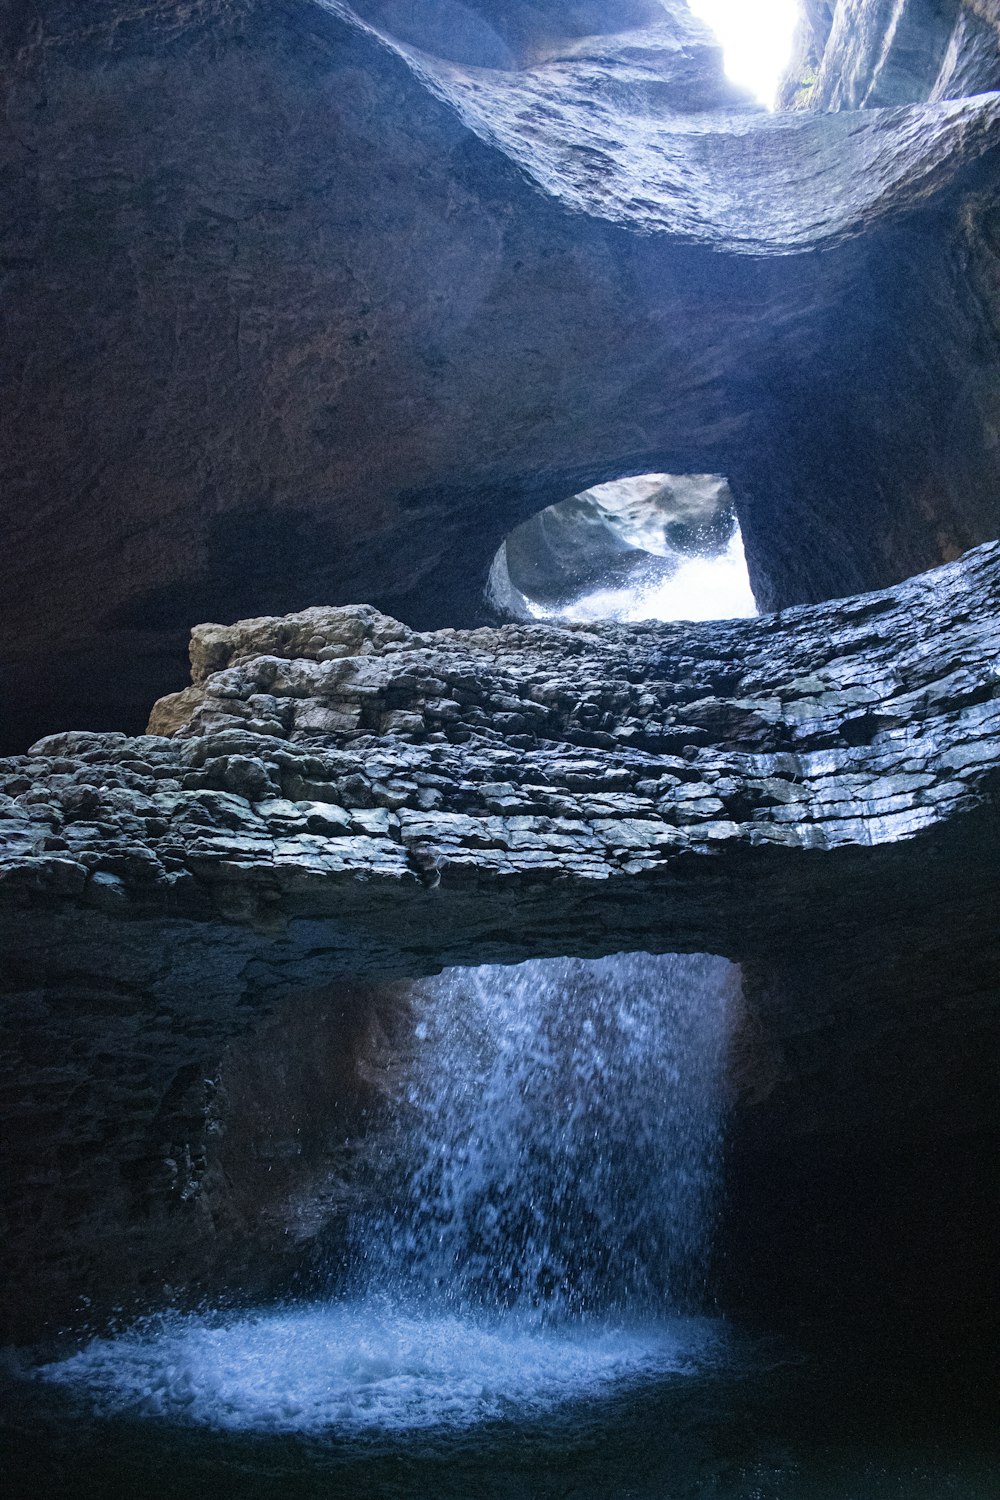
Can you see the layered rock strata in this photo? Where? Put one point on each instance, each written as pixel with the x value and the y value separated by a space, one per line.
pixel 296 308
pixel 339 796
pixel 452 768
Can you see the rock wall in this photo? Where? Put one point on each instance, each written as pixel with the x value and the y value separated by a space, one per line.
pixel 338 798
pixel 866 54
pixel 297 311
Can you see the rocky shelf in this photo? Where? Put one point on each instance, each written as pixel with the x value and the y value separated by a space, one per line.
pixel 459 796
pixel 338 800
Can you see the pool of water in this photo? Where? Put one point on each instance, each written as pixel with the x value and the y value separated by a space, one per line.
pixel 343 1369
pixel 368 1400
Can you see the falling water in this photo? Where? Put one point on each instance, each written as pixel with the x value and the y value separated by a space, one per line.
pixel 538 1210
pixel 555 1146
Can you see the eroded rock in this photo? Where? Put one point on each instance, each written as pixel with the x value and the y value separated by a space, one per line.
pixel 337 742
pixel 270 272
pixel 814 793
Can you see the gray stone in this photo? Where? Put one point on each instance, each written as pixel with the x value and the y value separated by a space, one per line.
pixel 236 385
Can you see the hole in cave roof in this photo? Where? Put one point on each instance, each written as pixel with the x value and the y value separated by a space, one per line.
pixel 651 546
pixel 756 38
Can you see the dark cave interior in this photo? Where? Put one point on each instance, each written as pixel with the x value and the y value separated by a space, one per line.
pixel 390 332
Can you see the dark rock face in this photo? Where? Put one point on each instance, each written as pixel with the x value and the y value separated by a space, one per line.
pixel 158 1146
pixel 337 796
pixel 269 274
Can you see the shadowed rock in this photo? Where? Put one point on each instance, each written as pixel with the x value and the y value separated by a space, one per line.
pixel 812 793
pixel 297 309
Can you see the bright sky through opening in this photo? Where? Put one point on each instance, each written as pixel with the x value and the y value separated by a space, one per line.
pixel 756 37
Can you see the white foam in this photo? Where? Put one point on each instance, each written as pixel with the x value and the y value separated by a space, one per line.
pixel 365 1366
pixel 701 588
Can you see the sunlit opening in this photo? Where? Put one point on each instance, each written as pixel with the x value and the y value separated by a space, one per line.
pixel 649 547
pixel 756 37
pixel 702 588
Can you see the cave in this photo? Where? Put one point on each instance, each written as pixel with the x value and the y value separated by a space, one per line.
pixel 500 796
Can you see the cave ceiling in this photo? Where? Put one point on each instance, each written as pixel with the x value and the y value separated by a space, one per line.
pixel 300 310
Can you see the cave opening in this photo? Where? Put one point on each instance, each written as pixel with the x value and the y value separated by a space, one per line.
pixel 646 547
pixel 757 37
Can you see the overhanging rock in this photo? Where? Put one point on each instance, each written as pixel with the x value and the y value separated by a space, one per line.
pixel 814 792
pixel 340 792
pixel 297 310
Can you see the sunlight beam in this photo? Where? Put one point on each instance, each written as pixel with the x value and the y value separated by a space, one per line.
pixel 756 38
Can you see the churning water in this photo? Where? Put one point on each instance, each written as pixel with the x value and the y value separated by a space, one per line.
pixel 362 1367
pixel 555 1148
pixel 538 1213
pixel 699 588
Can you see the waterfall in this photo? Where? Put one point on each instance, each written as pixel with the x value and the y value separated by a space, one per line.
pixel 538 1204
pixel 553 1146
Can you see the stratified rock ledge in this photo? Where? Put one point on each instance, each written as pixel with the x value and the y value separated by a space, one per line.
pixel 409 800
pixel 338 801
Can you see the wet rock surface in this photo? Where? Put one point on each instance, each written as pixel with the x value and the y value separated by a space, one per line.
pixel 270 272
pixel 339 796
pixel 320 747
